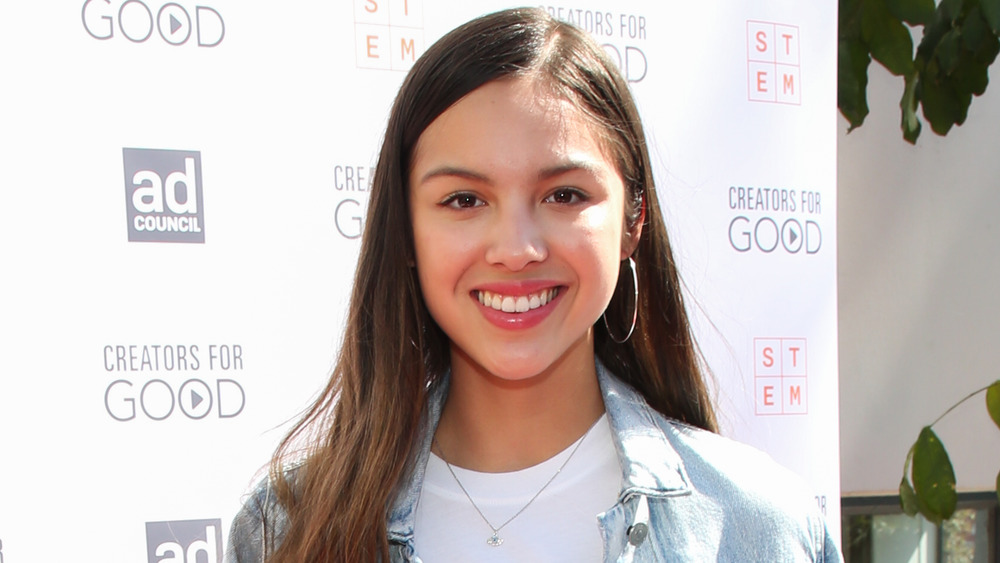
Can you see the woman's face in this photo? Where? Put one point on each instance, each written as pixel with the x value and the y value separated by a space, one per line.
pixel 517 221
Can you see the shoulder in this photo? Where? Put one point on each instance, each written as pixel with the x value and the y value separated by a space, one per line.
pixel 710 457
pixel 772 507
pixel 258 527
pixel 709 497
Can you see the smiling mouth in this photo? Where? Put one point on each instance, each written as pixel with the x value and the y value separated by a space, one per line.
pixel 518 304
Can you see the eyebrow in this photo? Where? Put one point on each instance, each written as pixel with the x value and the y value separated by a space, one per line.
pixel 454 171
pixel 572 165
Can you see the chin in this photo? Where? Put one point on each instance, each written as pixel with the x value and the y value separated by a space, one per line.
pixel 512 370
pixel 521 369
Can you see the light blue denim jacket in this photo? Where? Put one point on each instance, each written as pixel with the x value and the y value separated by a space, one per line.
pixel 688 496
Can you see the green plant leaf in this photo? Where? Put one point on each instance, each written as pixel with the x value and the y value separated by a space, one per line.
pixel 993 404
pixel 938 107
pixel 888 39
pixel 933 477
pixel 991 11
pixel 849 18
pixel 933 32
pixel 913 12
pixel 943 106
pixel 950 9
pixel 971 77
pixel 909 122
pixel 852 83
pixel 988 53
pixel 951 63
pixel 975 30
pixel 949 51
pixel 908 498
pixel 979 38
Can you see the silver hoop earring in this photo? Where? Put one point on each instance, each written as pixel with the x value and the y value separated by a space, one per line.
pixel 635 306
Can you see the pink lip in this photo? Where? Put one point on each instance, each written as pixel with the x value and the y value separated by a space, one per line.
pixel 518 321
pixel 518 288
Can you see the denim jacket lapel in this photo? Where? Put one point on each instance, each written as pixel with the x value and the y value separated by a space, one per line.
pixel 650 465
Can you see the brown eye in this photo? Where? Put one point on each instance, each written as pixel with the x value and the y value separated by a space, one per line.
pixel 462 201
pixel 566 196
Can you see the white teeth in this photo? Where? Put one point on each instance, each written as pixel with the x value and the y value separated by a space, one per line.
pixel 522 304
pixel 507 305
pixel 519 304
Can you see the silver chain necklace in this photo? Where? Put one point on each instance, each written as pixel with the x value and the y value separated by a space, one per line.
pixel 495 540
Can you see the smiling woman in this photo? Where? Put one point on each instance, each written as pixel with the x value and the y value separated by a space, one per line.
pixel 488 403
pixel 532 210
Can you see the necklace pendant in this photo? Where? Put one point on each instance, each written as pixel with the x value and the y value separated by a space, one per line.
pixel 494 540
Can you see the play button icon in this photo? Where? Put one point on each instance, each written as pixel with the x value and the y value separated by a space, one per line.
pixel 195 398
pixel 791 236
pixel 174 24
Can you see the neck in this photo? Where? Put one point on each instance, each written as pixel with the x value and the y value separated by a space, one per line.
pixel 494 425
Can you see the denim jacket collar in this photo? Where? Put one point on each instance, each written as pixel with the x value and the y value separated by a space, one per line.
pixel 650 465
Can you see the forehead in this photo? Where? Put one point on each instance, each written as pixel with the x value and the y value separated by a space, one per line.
pixel 510 121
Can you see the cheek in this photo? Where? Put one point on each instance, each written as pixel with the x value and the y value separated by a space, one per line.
pixel 441 258
pixel 426 254
pixel 597 249
pixel 602 232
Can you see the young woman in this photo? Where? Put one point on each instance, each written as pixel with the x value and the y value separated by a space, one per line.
pixel 518 381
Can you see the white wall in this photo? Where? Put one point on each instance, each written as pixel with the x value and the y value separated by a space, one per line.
pixel 919 289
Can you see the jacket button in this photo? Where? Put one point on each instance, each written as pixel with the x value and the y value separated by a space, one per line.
pixel 637 533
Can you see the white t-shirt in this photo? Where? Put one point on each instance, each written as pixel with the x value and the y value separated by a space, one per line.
pixel 560 525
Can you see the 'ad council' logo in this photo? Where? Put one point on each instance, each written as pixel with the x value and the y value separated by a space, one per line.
pixel 163 196
pixel 183 541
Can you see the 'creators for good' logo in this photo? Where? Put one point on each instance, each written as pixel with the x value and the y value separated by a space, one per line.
pixel 137 21
pixel 163 196
pixel 182 541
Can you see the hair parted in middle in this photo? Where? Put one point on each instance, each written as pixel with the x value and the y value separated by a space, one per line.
pixel 363 428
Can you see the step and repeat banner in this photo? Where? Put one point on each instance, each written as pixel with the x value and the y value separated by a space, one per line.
pixel 184 187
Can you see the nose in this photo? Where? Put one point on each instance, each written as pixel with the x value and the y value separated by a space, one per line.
pixel 517 238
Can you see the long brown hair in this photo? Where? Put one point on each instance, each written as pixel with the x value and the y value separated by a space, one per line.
pixel 363 428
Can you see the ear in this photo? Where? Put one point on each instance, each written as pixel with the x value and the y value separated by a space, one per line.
pixel 631 239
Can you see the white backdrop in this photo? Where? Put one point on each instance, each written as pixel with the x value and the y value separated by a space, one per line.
pixel 146 376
